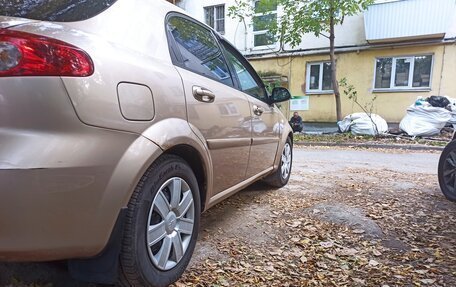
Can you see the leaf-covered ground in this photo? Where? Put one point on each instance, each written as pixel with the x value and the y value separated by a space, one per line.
pixel 347 218
pixel 353 227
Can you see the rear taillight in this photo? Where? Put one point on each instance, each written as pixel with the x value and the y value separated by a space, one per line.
pixel 25 54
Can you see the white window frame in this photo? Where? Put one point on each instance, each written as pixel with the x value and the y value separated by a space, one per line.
pixel 261 32
pixel 410 87
pixel 214 7
pixel 320 85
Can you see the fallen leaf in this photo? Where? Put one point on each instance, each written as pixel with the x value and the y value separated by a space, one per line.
pixel 326 244
pixel 294 224
pixel 428 281
pixel 359 281
pixel 373 262
pixel 347 252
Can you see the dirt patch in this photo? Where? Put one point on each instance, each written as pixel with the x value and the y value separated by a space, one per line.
pixel 370 221
pixel 346 215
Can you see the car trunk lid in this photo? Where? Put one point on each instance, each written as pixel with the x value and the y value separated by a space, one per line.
pixel 7 22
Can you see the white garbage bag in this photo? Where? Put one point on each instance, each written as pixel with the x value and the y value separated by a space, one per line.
pixel 344 125
pixel 424 120
pixel 362 124
pixel 452 107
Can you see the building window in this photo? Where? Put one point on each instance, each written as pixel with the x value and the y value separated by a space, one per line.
pixel 318 79
pixel 403 72
pixel 265 16
pixel 215 17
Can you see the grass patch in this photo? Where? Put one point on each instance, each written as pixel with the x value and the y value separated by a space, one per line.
pixel 441 140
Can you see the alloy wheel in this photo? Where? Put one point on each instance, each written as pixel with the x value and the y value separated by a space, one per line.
pixel 170 223
pixel 286 161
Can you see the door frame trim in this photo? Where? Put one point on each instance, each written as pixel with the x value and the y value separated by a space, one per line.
pixel 214 144
pixel 264 140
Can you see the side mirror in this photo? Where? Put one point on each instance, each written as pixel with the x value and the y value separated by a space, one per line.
pixel 280 94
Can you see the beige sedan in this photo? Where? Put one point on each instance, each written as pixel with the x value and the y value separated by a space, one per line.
pixel 120 122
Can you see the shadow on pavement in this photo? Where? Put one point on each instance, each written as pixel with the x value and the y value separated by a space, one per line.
pixel 56 273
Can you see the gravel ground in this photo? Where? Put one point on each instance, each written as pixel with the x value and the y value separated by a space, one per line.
pixel 347 218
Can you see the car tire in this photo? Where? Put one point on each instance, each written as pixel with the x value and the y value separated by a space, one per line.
pixel 447 171
pixel 280 177
pixel 159 237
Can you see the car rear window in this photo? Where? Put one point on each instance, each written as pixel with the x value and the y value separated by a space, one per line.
pixel 54 10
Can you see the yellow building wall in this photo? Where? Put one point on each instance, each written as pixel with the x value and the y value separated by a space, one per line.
pixel 359 69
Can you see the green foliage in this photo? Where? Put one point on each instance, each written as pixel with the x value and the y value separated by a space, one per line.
pixel 270 79
pixel 244 8
pixel 270 85
pixel 349 89
pixel 368 108
pixel 261 15
pixel 240 10
pixel 300 17
pixel 352 94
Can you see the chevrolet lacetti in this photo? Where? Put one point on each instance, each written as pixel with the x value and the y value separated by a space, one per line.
pixel 120 122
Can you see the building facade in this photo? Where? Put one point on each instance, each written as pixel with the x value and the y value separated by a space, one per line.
pixel 394 51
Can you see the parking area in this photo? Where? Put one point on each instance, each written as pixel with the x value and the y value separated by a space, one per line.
pixel 347 218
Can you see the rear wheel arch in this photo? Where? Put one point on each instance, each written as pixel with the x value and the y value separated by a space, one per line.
pixel 187 143
pixel 196 163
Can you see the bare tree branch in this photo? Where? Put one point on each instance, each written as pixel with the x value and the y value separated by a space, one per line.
pixel 324 35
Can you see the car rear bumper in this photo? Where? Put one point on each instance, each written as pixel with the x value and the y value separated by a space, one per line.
pixel 54 195
pixel 62 183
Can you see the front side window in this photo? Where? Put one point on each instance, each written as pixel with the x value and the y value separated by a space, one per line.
pixel 200 50
pixel 403 72
pixel 247 81
pixel 318 79
pixel 265 16
pixel 214 16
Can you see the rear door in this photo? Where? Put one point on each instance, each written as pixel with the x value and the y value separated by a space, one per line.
pixel 264 116
pixel 215 109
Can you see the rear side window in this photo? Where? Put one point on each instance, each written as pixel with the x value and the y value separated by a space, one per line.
pixel 246 80
pixel 249 82
pixel 54 10
pixel 199 49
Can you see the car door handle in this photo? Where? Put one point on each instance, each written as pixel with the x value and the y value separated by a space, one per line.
pixel 258 110
pixel 203 95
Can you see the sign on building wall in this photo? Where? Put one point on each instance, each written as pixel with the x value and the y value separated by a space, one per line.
pixel 300 103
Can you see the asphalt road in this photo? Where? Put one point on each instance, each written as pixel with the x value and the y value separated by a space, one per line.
pixel 307 162
pixel 340 159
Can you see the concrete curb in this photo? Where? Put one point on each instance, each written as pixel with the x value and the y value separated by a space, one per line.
pixel 372 145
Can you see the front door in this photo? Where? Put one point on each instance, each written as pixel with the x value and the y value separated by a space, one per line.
pixel 266 128
pixel 216 110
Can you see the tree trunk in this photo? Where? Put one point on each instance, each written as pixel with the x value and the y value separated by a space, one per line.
pixel 333 66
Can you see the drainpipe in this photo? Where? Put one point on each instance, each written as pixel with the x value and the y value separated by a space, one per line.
pixel 441 69
pixel 245 35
